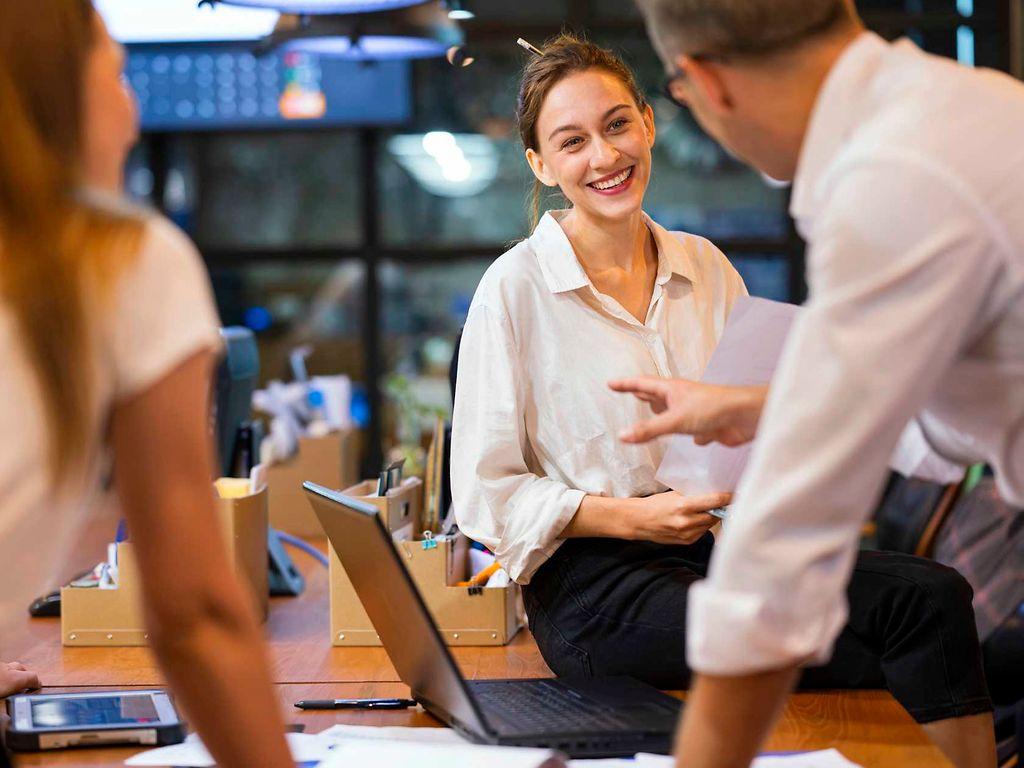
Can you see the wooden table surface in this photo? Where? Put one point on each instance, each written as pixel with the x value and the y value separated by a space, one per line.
pixel 868 727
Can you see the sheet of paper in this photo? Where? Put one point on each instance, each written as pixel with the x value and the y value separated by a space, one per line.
pixel 747 354
pixel 827 758
pixel 191 753
pixel 402 754
pixel 393 733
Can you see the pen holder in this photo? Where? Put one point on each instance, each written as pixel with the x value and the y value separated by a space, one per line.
pixel 330 461
pixel 464 615
pixel 245 523
pixel 401 508
pixel 91 616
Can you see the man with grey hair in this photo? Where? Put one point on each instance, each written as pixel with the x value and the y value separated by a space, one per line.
pixel 908 185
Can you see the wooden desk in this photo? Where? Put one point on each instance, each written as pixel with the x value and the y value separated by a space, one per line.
pixel 299 635
pixel 869 727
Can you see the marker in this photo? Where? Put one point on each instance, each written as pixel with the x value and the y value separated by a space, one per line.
pixel 355 703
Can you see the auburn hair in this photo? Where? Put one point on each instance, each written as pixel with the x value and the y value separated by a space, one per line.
pixel 59 253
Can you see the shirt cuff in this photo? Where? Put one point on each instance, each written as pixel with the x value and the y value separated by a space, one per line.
pixel 522 569
pixel 733 632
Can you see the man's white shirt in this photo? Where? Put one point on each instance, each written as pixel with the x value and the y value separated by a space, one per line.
pixel 910 193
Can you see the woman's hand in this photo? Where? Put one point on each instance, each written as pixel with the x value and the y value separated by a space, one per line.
pixel 15 678
pixel 672 518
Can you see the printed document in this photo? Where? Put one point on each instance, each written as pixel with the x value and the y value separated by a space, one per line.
pixel 747 355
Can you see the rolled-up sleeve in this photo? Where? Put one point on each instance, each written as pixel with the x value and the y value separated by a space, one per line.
pixel 498 500
pixel 895 297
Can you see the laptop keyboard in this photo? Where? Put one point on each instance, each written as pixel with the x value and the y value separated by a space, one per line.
pixel 541 707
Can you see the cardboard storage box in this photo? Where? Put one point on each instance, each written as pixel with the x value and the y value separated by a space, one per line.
pixel 331 461
pixel 401 507
pixel 464 615
pixel 113 617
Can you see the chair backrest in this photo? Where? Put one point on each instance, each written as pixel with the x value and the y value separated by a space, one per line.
pixel 911 513
pixel 446 476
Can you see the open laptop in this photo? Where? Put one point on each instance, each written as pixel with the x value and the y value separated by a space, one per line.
pixel 593 717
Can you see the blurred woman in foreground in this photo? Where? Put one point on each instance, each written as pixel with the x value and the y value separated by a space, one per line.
pixel 108 336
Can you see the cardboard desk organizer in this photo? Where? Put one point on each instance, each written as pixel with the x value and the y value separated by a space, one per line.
pixel 464 615
pixel 113 617
pixel 330 461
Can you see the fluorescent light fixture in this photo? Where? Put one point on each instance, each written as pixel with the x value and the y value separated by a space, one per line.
pixel 459 10
pixel 447 164
pixel 369 47
pixel 172 21
pixel 326 6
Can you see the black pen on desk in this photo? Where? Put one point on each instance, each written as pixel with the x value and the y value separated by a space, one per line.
pixel 355 703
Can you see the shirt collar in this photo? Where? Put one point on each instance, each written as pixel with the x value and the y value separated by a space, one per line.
pixel 834 117
pixel 563 272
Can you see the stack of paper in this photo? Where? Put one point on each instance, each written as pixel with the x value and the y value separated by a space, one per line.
pixel 345 746
pixel 341 732
pixel 403 754
pixel 828 758
pixel 191 753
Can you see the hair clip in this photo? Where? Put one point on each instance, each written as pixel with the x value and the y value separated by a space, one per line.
pixel 530 47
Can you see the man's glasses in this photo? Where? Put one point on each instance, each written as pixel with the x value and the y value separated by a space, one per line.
pixel 671 89
pixel 672 86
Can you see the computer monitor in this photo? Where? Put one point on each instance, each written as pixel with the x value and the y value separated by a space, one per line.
pixel 234 86
pixel 237 377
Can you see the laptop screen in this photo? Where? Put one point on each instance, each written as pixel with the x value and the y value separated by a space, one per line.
pixel 394 605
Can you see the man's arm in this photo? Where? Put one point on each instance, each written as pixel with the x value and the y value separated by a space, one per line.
pixel 895 296
pixel 753 700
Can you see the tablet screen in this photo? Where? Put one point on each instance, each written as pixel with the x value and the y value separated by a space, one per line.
pixel 60 713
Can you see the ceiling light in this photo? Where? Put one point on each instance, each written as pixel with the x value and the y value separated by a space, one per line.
pixel 367 48
pixel 459 10
pixel 170 21
pixel 313 7
pixel 413 32
pixel 447 164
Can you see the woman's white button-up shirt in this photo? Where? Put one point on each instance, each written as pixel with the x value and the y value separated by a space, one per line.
pixel 535 427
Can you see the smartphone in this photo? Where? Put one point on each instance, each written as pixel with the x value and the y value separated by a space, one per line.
pixel 720 512
pixel 58 720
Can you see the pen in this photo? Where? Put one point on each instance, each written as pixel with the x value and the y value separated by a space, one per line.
pixel 355 703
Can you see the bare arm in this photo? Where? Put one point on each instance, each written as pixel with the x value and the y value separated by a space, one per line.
pixel 709 736
pixel 666 518
pixel 201 623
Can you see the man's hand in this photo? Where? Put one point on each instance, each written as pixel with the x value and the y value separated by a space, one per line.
pixel 15 678
pixel 709 412
pixel 672 518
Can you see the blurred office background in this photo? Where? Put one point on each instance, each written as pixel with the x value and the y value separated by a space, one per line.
pixel 354 205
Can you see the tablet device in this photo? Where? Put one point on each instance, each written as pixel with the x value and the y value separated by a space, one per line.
pixel 57 720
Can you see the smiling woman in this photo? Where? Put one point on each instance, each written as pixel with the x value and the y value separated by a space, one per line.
pixel 565 59
pixel 538 473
